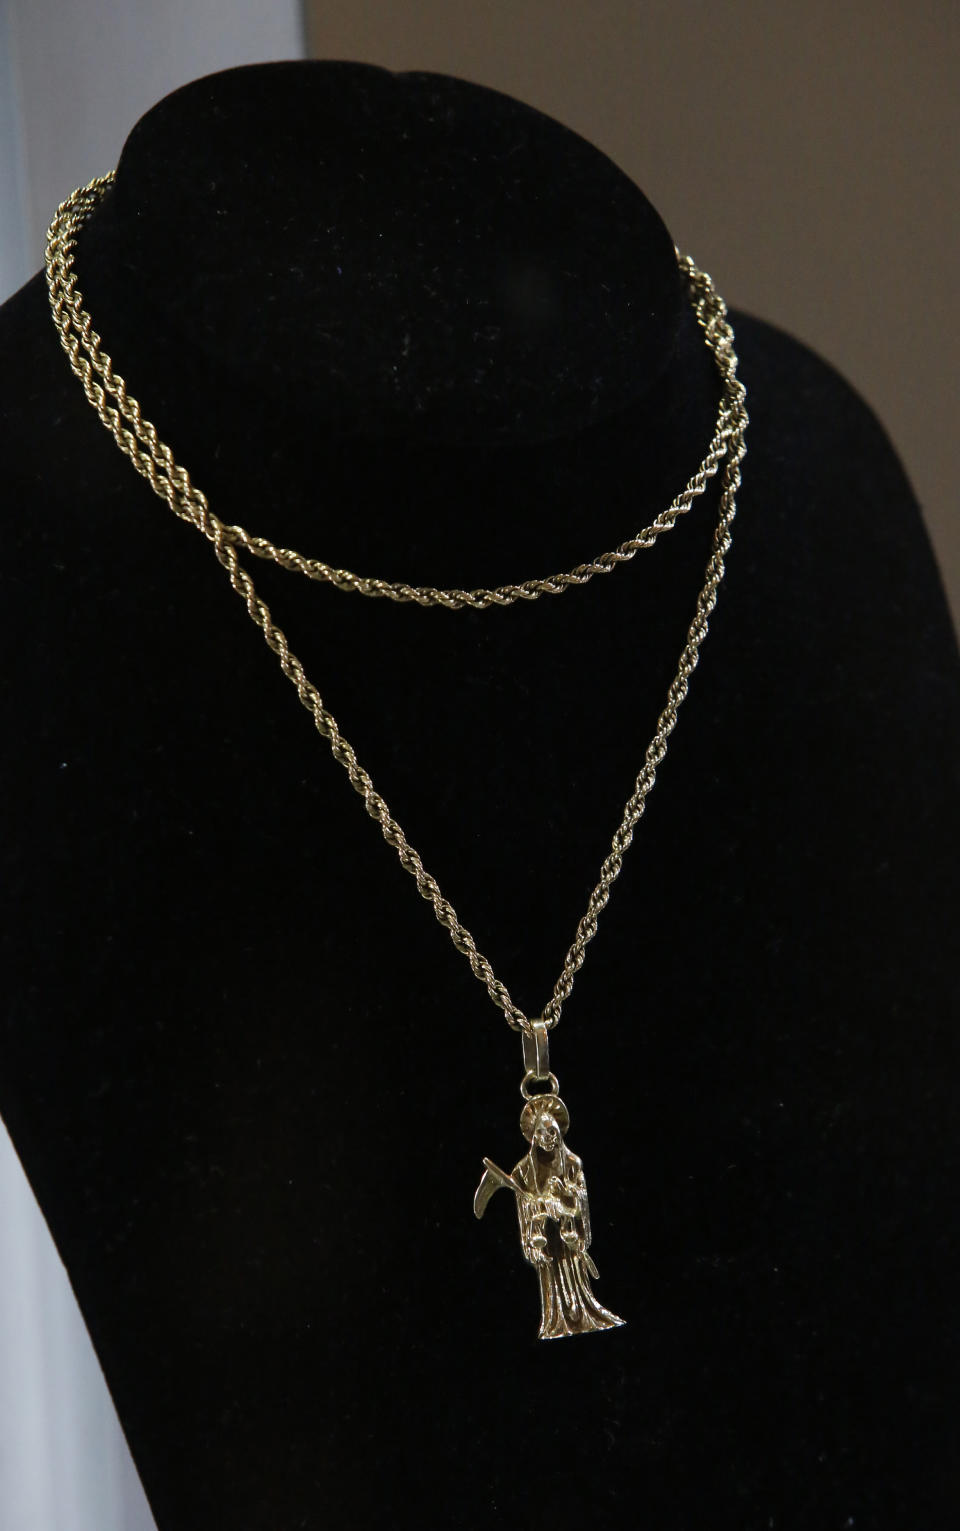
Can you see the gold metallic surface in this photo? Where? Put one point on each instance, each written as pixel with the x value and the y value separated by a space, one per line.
pixel 554 1217
pixel 121 414
pixel 536 1052
pixel 548 1183
pixel 190 503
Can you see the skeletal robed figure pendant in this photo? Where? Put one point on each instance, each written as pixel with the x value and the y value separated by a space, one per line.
pixel 552 1208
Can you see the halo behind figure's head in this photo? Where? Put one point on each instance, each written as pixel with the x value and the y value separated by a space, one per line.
pixel 543 1105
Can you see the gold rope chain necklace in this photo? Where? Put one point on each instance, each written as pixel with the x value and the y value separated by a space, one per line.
pixel 548 1182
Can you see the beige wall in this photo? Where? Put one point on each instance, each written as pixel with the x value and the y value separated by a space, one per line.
pixel 806 154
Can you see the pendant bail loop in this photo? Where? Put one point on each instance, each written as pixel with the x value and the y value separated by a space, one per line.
pixel 536 1051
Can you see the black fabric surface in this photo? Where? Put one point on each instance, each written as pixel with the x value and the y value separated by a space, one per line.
pixel 413 327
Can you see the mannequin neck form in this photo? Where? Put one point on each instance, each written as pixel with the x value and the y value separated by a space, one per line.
pixel 410 295
pixel 248 1077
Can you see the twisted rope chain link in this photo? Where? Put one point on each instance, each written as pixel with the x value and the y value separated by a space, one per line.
pixel 62 236
pixel 137 438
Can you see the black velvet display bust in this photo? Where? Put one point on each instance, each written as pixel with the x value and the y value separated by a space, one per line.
pixel 414 328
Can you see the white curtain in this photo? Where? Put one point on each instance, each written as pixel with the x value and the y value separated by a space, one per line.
pixel 64 1464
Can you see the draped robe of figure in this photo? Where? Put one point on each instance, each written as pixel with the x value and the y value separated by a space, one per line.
pixel 555 1233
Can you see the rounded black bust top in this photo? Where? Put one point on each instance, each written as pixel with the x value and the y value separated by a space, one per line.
pixel 415 328
pixel 397 254
pixel 404 277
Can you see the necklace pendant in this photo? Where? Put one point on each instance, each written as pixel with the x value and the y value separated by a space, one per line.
pixel 552 1206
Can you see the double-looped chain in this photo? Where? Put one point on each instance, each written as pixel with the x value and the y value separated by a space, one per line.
pixel 137 438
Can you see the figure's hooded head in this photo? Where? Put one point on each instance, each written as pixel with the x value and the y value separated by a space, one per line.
pixel 544 1120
